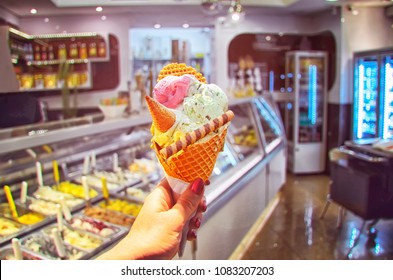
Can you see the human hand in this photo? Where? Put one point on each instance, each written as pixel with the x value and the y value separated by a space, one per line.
pixel 156 232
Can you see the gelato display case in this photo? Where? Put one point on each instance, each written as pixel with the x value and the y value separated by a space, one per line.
pixel 247 176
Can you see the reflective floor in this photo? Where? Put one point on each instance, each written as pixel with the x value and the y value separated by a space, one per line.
pixel 295 230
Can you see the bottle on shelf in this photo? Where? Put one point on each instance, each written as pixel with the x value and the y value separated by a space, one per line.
pixel 51 54
pixel 29 56
pixel 73 52
pixel 101 49
pixel 44 54
pixel 82 51
pixel 62 52
pixel 92 49
pixel 37 52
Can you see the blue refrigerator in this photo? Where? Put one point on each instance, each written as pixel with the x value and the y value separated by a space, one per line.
pixel 373 95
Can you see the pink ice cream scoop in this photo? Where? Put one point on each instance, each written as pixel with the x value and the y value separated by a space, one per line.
pixel 171 90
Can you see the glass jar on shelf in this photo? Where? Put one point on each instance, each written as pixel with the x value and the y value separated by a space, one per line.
pixel 39 81
pixel 101 49
pixel 92 49
pixel 26 81
pixel 51 54
pixel 73 80
pixel 37 52
pixel 83 78
pixel 82 51
pixel 73 52
pixel 50 80
pixel 62 52
pixel 44 54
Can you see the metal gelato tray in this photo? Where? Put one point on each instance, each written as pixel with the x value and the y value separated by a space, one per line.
pixel 95 182
pixel 7 253
pixel 10 229
pixel 95 226
pixel 44 246
pixel 29 221
pixel 90 244
pixel 118 210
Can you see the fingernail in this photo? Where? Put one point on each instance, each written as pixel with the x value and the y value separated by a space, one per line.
pixel 197 222
pixel 197 186
pixel 203 206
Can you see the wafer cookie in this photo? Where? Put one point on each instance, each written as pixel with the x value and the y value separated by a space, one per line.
pixel 197 134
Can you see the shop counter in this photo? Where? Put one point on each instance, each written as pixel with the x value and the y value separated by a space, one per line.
pixel 248 174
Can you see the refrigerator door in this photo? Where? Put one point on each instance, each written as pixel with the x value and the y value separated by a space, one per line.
pixel 311 99
pixel 387 96
pixel 306 78
pixel 365 97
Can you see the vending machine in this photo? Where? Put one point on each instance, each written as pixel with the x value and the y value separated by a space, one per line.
pixel 373 95
pixel 306 83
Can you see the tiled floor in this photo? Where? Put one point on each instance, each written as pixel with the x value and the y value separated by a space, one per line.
pixel 295 231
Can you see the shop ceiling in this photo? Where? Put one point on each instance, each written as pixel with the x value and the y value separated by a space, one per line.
pixel 185 9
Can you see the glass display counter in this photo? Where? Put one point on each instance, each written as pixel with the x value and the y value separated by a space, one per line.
pixel 248 173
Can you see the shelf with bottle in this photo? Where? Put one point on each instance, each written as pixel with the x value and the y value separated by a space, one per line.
pixel 36 58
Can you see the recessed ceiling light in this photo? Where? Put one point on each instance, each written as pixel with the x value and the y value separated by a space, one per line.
pixel 157 26
pixel 103 18
pixel 99 9
pixel 185 25
pixel 33 11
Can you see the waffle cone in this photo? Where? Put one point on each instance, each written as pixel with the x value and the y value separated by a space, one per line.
pixel 179 69
pixel 195 161
pixel 163 119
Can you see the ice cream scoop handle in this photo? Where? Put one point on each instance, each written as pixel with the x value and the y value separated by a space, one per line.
pixel 197 134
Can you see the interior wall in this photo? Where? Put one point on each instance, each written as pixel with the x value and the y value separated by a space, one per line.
pixel 353 33
pixel 370 29
pixel 8 17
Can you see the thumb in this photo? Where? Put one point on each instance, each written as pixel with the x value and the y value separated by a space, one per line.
pixel 187 203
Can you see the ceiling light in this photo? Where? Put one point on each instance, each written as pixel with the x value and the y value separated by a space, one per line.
pixel 46 20
pixel 157 26
pixel 185 25
pixel 33 11
pixel 103 17
pixel 211 7
pixel 236 11
pixel 99 9
pixel 352 10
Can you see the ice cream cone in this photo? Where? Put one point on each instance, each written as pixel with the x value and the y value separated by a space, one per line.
pixel 163 119
pixel 194 155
